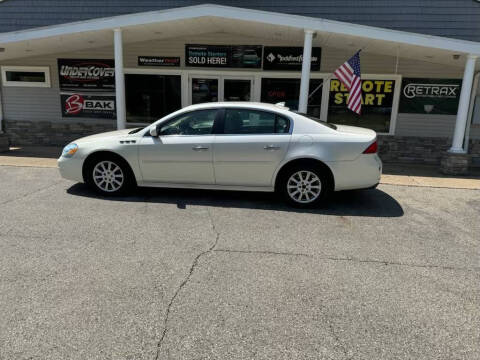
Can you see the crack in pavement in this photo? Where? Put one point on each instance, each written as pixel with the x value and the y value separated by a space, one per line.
pixel 262 252
pixel 347 259
pixel 30 193
pixel 336 337
pixel 395 263
pixel 184 283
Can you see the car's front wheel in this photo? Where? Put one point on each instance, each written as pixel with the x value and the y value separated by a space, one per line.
pixel 109 176
pixel 304 186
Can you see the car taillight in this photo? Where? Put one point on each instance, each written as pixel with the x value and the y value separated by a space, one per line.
pixel 372 149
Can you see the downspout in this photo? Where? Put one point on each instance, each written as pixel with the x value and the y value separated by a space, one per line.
pixel 1 111
pixel 470 111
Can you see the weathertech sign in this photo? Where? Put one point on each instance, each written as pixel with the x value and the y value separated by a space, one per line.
pixel 85 74
pixel 88 106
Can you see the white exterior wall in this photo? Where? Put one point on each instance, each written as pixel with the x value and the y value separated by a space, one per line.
pixel 43 104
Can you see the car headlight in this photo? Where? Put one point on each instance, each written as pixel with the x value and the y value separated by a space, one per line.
pixel 69 150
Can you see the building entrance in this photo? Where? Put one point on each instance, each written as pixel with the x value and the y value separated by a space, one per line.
pixel 219 88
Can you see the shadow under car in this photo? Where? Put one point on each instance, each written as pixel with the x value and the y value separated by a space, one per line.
pixel 371 203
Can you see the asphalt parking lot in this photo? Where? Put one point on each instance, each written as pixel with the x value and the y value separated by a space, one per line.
pixel 391 273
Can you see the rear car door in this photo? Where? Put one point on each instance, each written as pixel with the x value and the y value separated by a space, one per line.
pixel 249 147
pixel 182 153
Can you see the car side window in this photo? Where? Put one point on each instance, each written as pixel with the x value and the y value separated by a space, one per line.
pixel 198 122
pixel 246 121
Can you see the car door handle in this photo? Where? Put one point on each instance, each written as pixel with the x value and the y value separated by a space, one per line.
pixel 271 147
pixel 200 148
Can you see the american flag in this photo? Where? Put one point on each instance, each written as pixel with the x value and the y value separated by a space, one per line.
pixel 350 76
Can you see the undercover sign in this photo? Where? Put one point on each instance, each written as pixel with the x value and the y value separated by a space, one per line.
pixel 430 96
pixel 289 58
pixel 224 56
pixel 86 74
pixel 376 93
pixel 88 106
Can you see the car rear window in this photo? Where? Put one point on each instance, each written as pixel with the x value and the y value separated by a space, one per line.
pixel 324 123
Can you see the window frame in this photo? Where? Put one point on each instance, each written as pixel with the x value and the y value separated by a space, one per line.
pixel 221 125
pixel 40 69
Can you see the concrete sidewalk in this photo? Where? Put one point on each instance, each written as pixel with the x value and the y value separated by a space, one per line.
pixel 393 174
pixel 36 156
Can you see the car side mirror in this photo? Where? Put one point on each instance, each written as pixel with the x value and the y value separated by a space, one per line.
pixel 154 132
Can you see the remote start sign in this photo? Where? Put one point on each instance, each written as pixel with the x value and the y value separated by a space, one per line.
pixel 88 106
pixel 86 74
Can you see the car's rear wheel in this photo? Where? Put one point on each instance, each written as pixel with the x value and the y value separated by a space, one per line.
pixel 109 176
pixel 304 186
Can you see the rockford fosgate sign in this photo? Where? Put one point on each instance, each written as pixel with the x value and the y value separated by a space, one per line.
pixel 289 58
pixel 430 96
pixel 88 106
pixel 86 74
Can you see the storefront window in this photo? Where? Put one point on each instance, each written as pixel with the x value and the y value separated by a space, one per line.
pixel 204 90
pixel 150 97
pixel 275 90
pixel 377 102
pixel 237 90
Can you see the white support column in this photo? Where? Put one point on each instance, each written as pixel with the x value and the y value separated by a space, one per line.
pixel 119 79
pixel 306 64
pixel 463 106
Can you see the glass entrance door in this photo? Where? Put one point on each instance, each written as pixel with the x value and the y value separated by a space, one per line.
pixel 237 89
pixel 204 90
pixel 220 88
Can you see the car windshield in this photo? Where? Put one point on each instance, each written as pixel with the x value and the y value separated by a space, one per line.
pixel 324 123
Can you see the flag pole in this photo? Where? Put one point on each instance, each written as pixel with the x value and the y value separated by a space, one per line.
pixel 328 78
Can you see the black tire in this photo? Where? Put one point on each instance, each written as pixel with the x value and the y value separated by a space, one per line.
pixel 109 175
pixel 306 195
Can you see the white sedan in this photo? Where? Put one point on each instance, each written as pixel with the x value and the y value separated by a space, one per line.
pixel 229 146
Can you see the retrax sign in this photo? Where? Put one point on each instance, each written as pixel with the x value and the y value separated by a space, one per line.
pixel 413 90
pixel 430 96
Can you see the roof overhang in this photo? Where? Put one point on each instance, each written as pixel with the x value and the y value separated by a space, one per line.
pixel 216 18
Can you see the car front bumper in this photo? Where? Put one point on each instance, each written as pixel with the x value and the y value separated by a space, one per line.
pixel 71 168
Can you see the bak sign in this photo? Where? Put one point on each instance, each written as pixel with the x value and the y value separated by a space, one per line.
pixel 376 93
pixel 88 106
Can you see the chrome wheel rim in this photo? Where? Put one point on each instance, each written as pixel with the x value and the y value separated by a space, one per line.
pixel 304 187
pixel 108 176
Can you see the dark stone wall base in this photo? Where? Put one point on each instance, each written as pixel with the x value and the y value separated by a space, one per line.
pixel 421 150
pixel 4 143
pixel 411 149
pixel 455 164
pixel 46 133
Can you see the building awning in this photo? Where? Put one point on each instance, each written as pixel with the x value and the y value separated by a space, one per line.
pixel 202 19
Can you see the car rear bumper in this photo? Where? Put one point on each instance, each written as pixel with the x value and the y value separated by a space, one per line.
pixel 71 168
pixel 361 173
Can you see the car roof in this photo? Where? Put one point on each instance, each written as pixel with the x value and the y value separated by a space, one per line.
pixel 237 104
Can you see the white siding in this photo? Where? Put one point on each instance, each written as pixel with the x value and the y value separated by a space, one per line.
pixel 425 125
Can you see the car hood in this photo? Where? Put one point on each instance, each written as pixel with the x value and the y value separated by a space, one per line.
pixel 356 130
pixel 109 134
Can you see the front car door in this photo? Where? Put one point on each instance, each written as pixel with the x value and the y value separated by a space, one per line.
pixel 251 146
pixel 183 151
